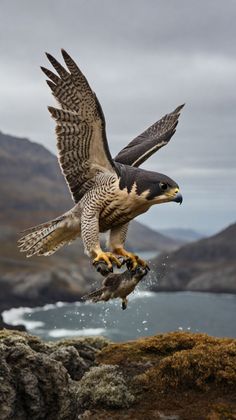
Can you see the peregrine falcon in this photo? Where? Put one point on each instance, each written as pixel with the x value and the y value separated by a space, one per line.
pixel 108 193
pixel 118 286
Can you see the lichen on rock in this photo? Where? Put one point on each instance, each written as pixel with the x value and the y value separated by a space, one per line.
pixel 38 379
pixel 104 385
pixel 173 375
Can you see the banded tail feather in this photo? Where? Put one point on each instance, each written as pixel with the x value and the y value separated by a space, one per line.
pixel 95 296
pixel 47 238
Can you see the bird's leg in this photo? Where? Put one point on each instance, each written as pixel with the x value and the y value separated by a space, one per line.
pixel 90 236
pixel 124 303
pixel 116 242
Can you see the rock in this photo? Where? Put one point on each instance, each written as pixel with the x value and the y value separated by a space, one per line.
pixel 36 378
pixel 176 375
pixel 169 376
pixel 32 386
pixel 11 327
pixel 27 288
pixel 104 385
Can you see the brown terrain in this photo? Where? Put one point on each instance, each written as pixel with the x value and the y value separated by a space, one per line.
pixel 175 376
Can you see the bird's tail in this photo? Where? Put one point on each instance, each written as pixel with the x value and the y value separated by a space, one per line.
pixel 47 238
pixel 94 296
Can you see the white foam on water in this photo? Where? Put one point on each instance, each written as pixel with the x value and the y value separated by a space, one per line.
pixel 139 294
pixel 86 332
pixel 15 316
pixel 31 325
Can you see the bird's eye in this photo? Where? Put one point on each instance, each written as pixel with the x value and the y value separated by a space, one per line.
pixel 163 186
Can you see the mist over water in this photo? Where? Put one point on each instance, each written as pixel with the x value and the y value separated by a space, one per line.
pixel 147 314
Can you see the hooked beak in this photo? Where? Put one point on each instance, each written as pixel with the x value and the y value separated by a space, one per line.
pixel 178 198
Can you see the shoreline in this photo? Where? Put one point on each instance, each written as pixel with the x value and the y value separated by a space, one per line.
pixel 147 313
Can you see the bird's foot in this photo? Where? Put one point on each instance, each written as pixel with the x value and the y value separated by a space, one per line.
pixel 132 261
pixel 104 262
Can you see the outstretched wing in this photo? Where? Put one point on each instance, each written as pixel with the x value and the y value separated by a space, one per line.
pixel 151 140
pixel 80 129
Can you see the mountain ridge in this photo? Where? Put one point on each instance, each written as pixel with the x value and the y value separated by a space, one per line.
pixel 205 265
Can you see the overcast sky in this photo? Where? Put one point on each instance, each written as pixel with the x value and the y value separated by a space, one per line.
pixel 142 58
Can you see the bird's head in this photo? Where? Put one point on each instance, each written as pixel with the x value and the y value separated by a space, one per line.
pixel 163 189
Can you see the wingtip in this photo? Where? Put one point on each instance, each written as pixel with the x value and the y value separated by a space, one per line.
pixel 50 58
pixel 64 53
pixel 178 109
pixel 43 69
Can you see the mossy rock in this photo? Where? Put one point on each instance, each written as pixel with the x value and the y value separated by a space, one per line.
pixel 169 376
pixel 178 374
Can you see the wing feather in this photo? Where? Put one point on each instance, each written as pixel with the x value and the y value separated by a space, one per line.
pixel 80 127
pixel 151 140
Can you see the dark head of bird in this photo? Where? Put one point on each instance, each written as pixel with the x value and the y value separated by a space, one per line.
pixel 163 189
pixel 155 187
pixel 158 188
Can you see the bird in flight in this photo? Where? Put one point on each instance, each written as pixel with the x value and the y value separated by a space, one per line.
pixel 117 286
pixel 108 193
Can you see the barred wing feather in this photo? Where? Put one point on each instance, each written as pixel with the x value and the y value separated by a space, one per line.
pixel 150 141
pixel 80 127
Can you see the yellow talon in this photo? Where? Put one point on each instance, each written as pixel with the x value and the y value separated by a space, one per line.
pixel 108 258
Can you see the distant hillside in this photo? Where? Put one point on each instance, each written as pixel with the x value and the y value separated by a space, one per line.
pixel 181 234
pixel 143 238
pixel 31 185
pixel 205 265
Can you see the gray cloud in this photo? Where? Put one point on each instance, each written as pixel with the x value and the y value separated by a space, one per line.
pixel 142 59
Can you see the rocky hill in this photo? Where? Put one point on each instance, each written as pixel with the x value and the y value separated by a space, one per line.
pixel 205 265
pixel 31 185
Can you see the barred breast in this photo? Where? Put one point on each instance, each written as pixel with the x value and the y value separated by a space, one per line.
pixel 122 206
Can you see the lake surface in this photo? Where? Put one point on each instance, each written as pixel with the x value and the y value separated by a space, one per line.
pixel 147 314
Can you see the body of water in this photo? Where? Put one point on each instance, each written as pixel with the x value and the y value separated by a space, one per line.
pixel 147 314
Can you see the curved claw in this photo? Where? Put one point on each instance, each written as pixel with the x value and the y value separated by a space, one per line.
pixel 134 263
pixel 104 262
